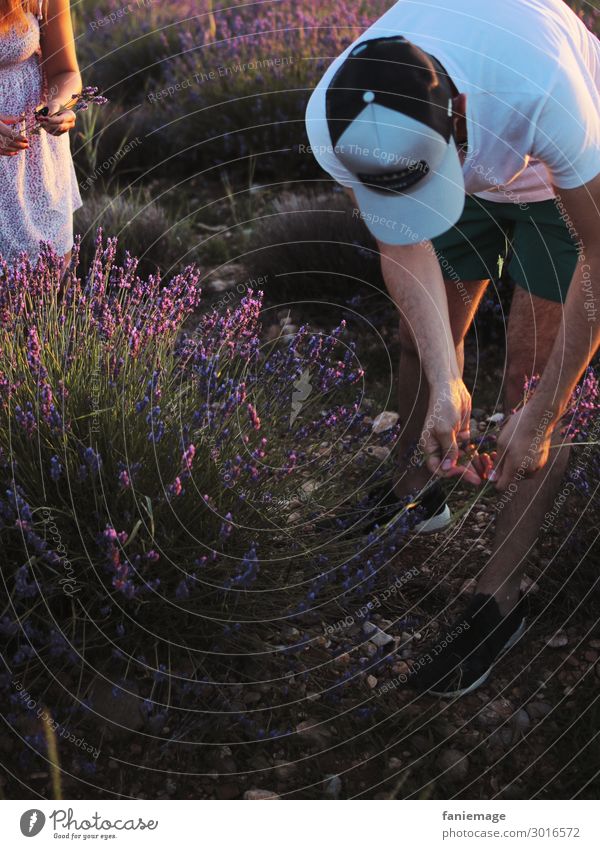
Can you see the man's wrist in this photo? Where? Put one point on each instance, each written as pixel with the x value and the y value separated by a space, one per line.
pixel 441 382
pixel 546 408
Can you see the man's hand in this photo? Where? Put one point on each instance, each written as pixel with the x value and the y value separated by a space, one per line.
pixel 446 426
pixel 523 446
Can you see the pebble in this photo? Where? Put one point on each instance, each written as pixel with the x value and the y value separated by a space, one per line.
pixel 495 712
pixel 558 641
pixel 496 418
pixel 521 722
pixel 385 421
pixel 260 794
pixel 376 635
pixel 228 791
pixel 538 710
pixel 313 732
pixel 394 764
pixel 332 786
pixel 454 764
pixel 420 743
pixel 251 698
pixel 371 682
pixel 284 769
pixel 380 452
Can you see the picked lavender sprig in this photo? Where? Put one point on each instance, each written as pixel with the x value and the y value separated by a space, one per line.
pixel 77 102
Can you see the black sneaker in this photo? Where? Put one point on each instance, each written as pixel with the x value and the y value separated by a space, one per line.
pixel 431 502
pixel 465 653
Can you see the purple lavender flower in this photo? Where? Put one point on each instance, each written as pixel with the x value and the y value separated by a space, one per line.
pixel 56 468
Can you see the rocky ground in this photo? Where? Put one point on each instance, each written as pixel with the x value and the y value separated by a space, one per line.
pixel 353 732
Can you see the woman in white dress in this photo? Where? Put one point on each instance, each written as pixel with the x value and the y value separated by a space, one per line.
pixel 38 71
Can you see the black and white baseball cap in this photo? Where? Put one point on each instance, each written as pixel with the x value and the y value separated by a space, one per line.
pixel 389 114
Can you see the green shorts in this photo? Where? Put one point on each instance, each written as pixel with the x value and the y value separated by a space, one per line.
pixel 532 239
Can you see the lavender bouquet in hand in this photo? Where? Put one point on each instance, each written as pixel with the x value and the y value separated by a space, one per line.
pixel 78 102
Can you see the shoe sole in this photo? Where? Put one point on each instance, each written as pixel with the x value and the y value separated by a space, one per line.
pixel 482 678
pixel 435 523
pixel 427 526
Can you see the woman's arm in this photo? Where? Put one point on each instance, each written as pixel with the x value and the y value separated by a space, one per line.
pixel 60 65
pixel 413 277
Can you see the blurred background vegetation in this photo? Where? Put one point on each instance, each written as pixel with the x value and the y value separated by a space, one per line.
pixel 201 141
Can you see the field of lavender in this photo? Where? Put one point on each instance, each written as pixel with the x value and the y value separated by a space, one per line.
pixel 205 130
pixel 193 604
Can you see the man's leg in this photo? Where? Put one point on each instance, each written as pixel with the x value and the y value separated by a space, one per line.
pixel 532 329
pixel 413 392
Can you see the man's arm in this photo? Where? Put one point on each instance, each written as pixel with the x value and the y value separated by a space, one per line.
pixel 414 280
pixel 577 341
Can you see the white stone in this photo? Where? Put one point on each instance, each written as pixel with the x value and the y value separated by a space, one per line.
pixel 384 421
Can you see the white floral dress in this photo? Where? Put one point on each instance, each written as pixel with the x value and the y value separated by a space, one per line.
pixel 38 186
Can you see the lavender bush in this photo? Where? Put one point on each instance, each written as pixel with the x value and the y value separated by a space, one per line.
pixel 173 492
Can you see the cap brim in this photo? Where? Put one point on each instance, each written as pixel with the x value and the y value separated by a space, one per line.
pixel 424 212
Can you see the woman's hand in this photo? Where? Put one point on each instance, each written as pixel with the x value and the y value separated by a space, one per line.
pixel 11 141
pixel 57 122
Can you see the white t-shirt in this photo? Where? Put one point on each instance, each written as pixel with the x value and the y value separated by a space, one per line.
pixel 531 73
